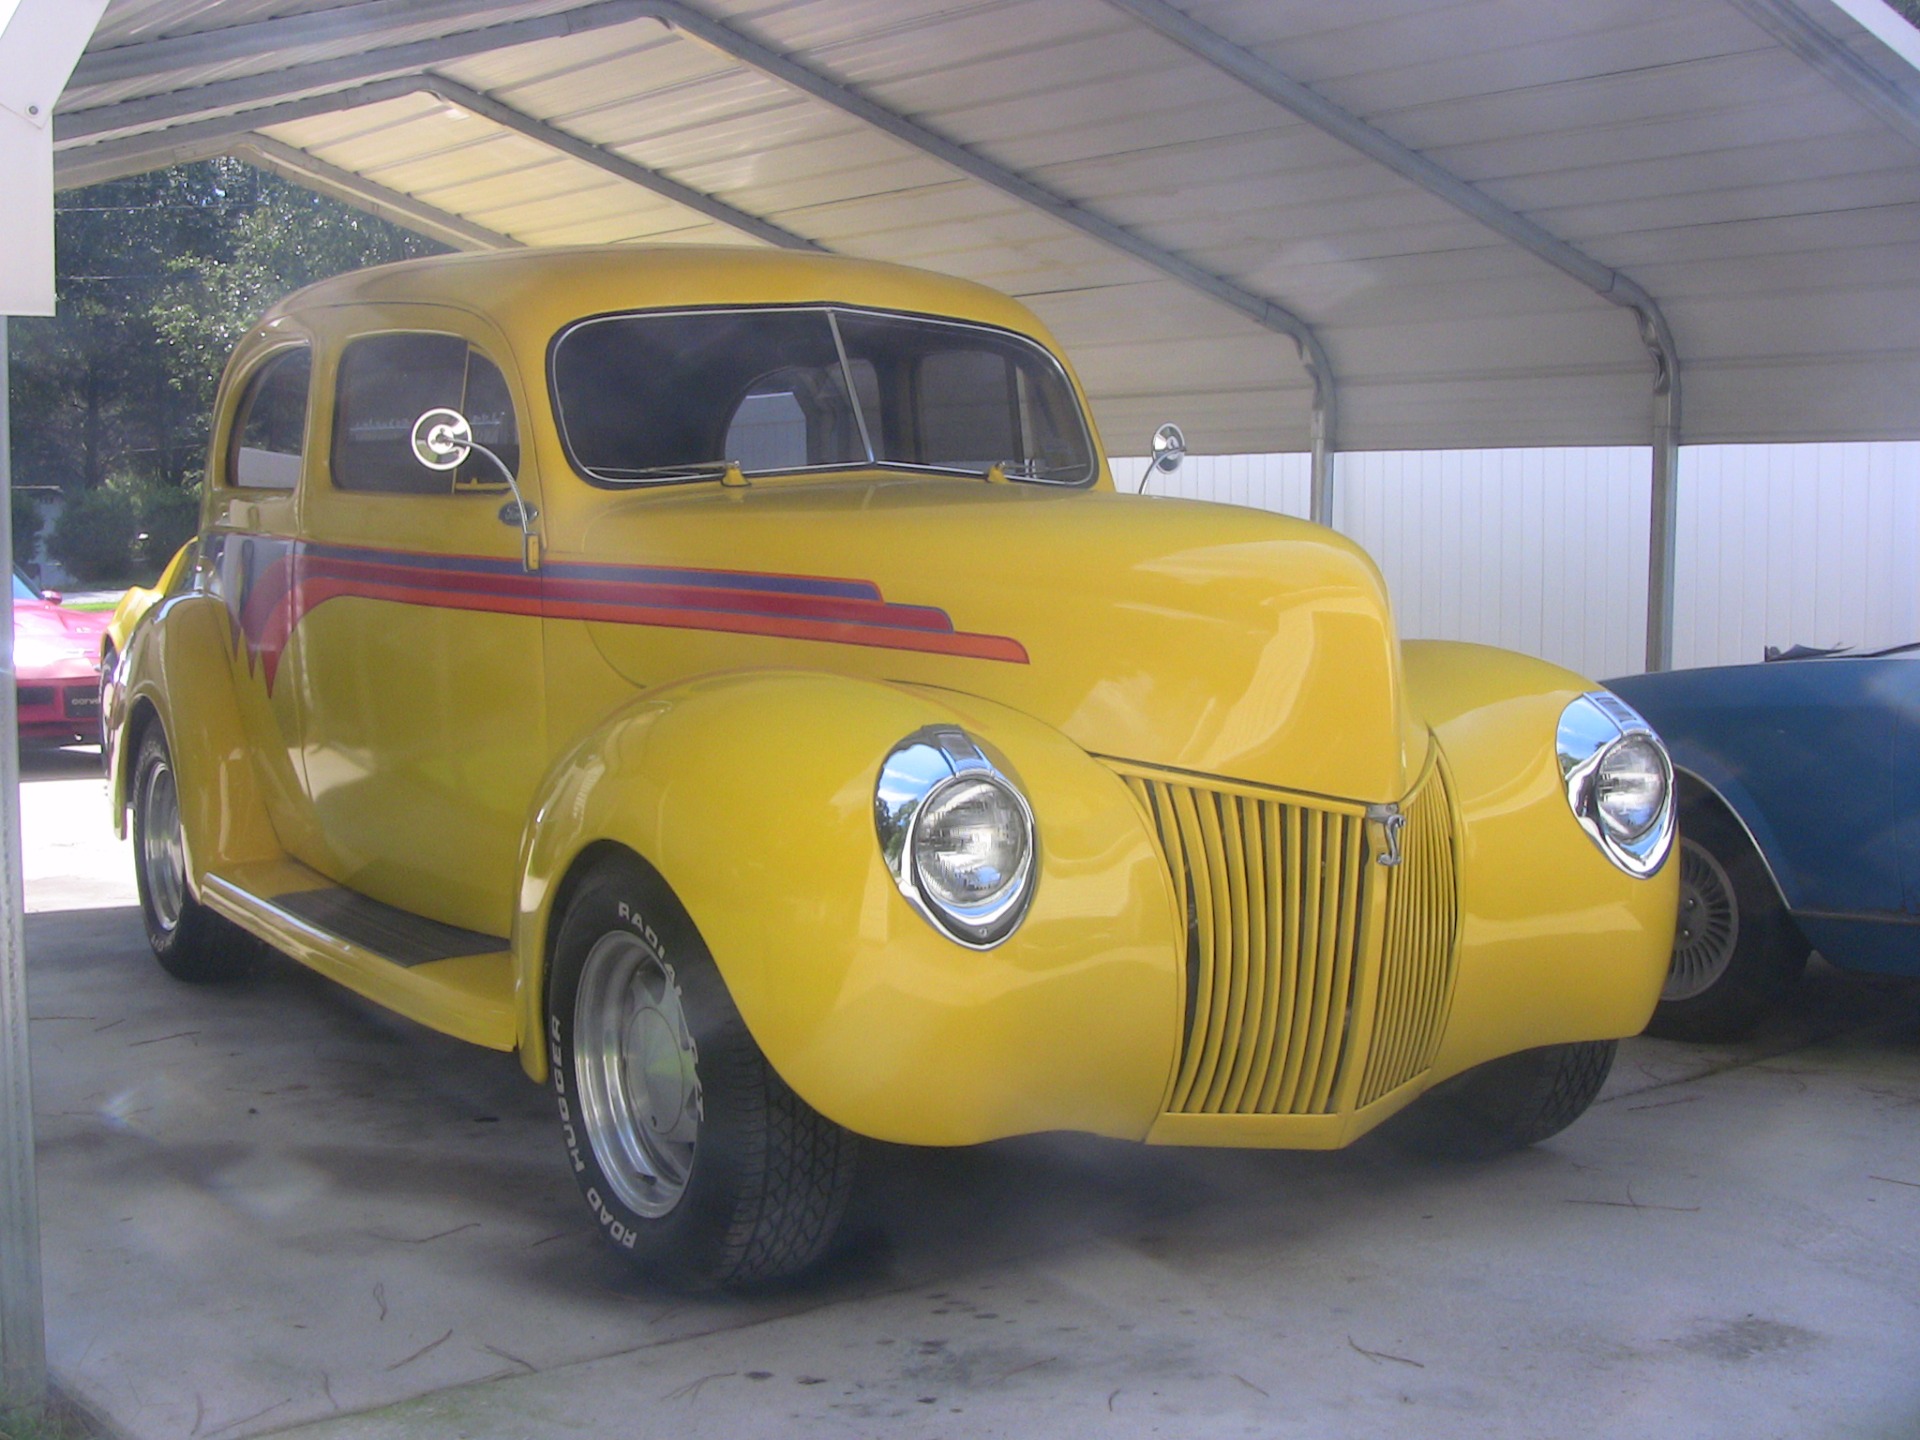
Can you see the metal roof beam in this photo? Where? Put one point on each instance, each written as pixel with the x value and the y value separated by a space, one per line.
pixel 554 138
pixel 1609 284
pixel 368 23
pixel 364 194
pixel 272 86
pixel 115 159
pixel 89 164
pixel 1786 22
pixel 201 139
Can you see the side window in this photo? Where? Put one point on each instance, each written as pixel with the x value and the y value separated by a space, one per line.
pixel 269 430
pixel 489 409
pixel 386 382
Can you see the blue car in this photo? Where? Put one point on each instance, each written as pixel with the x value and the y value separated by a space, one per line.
pixel 1799 784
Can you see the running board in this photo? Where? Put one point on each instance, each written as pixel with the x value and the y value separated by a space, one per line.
pixel 456 981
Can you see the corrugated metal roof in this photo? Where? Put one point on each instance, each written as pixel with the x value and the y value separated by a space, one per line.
pixel 1772 213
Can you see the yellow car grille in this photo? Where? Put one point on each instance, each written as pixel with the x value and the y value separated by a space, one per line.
pixel 1317 978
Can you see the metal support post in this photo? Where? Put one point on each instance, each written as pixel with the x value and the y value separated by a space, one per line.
pixel 1322 422
pixel 1664 501
pixel 23 1334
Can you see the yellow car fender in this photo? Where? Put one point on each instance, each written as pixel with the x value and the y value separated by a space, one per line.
pixel 184 651
pixel 1556 942
pixel 752 795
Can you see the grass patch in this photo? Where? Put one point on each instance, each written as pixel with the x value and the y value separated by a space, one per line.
pixel 56 1420
pixel 91 605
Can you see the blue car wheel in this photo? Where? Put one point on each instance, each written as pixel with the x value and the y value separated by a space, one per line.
pixel 1736 951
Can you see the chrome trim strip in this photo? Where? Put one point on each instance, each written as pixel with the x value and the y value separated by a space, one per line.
pixel 853 393
pixel 1591 726
pixel 920 768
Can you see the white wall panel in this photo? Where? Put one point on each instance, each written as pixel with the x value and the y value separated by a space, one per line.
pixel 1545 550
pixel 1797 544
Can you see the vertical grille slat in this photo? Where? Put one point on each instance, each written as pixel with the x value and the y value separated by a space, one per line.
pixel 1286 955
pixel 1307 954
pixel 1284 968
pixel 1246 1024
pixel 1418 966
pixel 1345 909
pixel 1238 950
pixel 1203 1031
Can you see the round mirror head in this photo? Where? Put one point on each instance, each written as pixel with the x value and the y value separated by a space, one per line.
pixel 442 439
pixel 1169 448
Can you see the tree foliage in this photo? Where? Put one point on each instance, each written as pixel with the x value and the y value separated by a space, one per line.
pixel 157 276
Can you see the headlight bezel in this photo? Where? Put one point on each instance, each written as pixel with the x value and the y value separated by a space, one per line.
pixel 1593 727
pixel 919 771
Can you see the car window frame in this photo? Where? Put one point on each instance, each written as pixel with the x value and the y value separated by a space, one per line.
pixel 244 391
pixel 824 307
pixel 337 357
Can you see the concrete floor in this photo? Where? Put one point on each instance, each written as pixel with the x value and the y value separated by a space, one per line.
pixel 273 1209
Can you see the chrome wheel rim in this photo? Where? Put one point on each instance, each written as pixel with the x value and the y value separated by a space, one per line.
pixel 1708 929
pixel 639 1081
pixel 163 858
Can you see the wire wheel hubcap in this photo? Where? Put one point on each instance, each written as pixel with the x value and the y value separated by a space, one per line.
pixel 1709 925
pixel 163 859
pixel 639 1082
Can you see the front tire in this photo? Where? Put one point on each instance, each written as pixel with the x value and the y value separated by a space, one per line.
pixel 698 1162
pixel 190 941
pixel 1736 951
pixel 1509 1103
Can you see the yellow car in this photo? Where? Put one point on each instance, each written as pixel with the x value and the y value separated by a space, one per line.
pixel 731 681
pixel 128 613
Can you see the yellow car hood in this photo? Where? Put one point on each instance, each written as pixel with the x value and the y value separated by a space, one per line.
pixel 1206 638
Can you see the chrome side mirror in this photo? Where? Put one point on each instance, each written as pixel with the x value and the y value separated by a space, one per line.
pixel 1169 449
pixel 442 440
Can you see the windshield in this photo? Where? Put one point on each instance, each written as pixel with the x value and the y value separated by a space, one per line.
pixel 22 590
pixel 674 395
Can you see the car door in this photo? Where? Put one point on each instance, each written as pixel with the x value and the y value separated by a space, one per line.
pixel 246 560
pixel 420 665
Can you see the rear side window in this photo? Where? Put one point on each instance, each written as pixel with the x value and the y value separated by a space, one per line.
pixel 387 382
pixel 270 428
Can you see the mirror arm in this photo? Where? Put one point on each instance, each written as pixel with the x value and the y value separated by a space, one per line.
pixel 1169 448
pixel 442 440
pixel 529 541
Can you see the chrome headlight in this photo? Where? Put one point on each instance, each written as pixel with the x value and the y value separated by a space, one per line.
pixel 1619 780
pixel 957 835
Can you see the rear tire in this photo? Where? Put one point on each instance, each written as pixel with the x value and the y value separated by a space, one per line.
pixel 698 1162
pixel 1736 951
pixel 1509 1103
pixel 190 941
pixel 107 661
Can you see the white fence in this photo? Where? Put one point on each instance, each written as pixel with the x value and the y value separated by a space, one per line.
pixel 1546 550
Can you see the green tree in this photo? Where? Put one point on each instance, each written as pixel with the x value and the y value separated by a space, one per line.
pixel 288 237
pixel 157 275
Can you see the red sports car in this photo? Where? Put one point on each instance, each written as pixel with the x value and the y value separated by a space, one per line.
pixel 56 665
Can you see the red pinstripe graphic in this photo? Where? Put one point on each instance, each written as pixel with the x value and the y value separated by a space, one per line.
pixel 279 589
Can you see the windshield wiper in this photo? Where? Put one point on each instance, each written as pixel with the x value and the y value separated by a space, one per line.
pixel 1033 469
pixel 693 470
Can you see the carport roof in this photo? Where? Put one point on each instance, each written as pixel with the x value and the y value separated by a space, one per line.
pixel 1143 177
